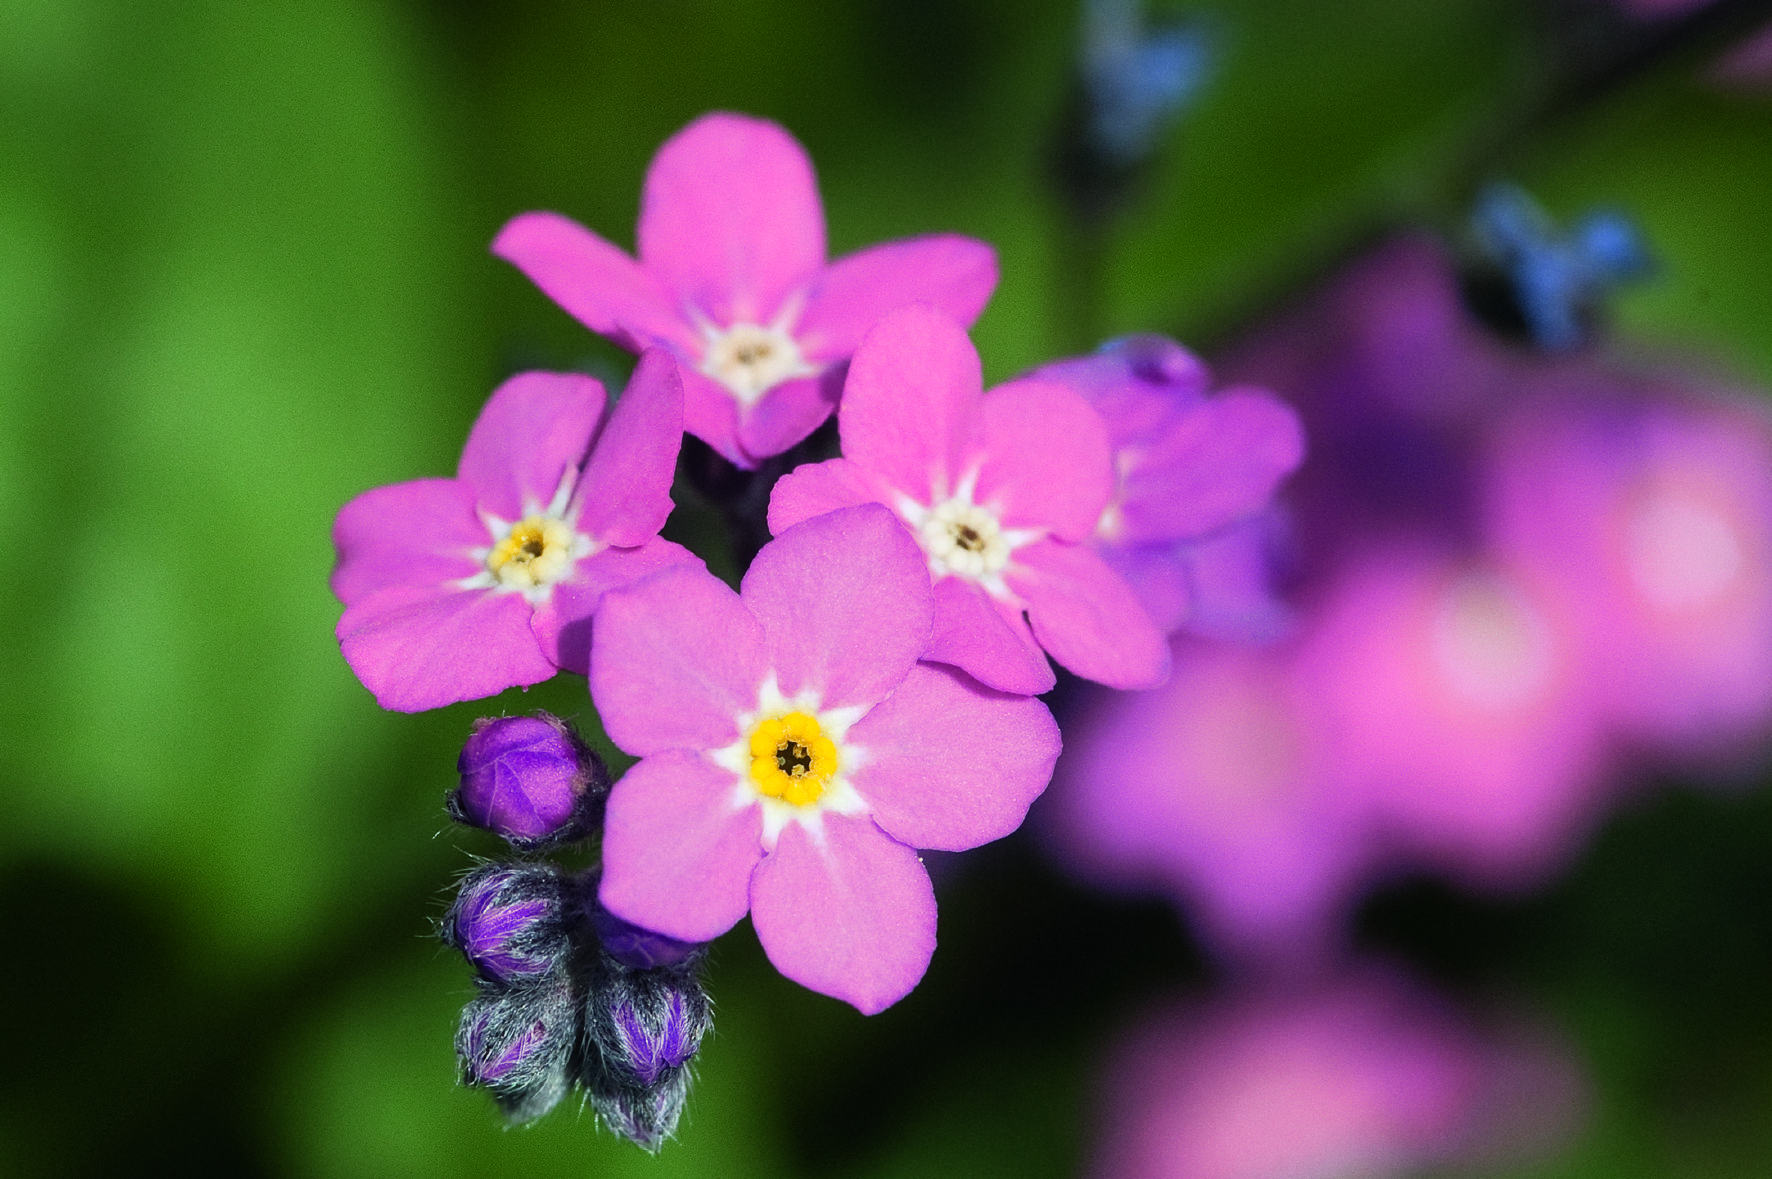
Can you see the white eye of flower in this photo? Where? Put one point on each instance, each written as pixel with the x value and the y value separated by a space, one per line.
pixel 1489 642
pixel 750 359
pixel 1683 550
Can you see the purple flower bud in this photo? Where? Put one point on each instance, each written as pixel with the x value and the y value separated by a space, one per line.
pixel 530 779
pixel 518 1045
pixel 645 1025
pixel 507 921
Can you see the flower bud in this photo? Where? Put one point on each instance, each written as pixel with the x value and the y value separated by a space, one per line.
pixel 641 1029
pixel 645 1117
pixel 634 947
pixel 530 779
pixel 507 921
pixel 518 1045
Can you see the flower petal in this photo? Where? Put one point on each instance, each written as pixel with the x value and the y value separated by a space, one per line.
pixel 1214 465
pixel 1047 462
pixel 812 489
pixel 951 763
pixel 986 639
pixel 730 220
pixel 787 413
pixel 596 283
pixel 534 427
pixel 678 851
pixel 676 658
pixel 1087 617
pixel 711 413
pixel 624 495
pixel 850 914
pixel 845 602
pixel 421 647
pixel 417 533
pixel 911 404
pixel 562 624
pixel 953 273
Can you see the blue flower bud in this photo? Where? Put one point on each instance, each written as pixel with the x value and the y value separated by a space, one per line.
pixel 530 779
pixel 518 1045
pixel 647 1024
pixel 635 947
pixel 508 921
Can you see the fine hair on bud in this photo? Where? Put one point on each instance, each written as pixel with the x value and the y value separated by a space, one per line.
pixel 510 922
pixel 642 1028
pixel 519 1045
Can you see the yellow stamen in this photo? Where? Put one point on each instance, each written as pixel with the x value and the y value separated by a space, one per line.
pixel 791 758
pixel 538 551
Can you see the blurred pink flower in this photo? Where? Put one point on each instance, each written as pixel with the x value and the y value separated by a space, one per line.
pixel 732 277
pixel 1644 507
pixel 1223 790
pixel 1360 1078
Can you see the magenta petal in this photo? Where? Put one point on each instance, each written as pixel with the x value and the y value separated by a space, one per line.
pixel 417 533
pixel 910 406
pixel 676 658
pixel 986 639
pixel 1047 462
pixel 420 647
pixel 562 624
pixel 730 219
pixel 711 413
pixel 812 489
pixel 950 763
pixel 597 284
pixel 534 428
pixel 846 603
pixel 955 274
pixel 849 913
pixel 1087 617
pixel 1215 464
pixel 679 847
pixel 624 495
pixel 786 414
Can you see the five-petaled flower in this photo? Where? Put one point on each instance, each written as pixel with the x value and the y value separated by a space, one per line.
pixel 459 588
pixel 732 277
pixel 1001 490
pixel 794 752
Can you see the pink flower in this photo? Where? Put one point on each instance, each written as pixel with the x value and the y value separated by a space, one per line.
pixel 1222 790
pixel 1645 506
pixel 1001 490
pixel 1360 1078
pixel 1187 468
pixel 459 588
pixel 794 752
pixel 1462 705
pixel 732 277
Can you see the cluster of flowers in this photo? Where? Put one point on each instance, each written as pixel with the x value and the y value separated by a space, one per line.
pixel 1524 580
pixel 869 689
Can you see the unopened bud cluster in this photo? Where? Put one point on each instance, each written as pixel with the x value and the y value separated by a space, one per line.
pixel 568 994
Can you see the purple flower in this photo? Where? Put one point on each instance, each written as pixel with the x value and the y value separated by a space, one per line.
pixel 459 588
pixel 732 277
pixel 1000 489
pixel 794 752
pixel 1188 468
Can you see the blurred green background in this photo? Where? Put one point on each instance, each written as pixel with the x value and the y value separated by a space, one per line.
pixel 243 276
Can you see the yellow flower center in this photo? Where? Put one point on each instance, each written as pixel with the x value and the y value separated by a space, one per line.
pixel 791 758
pixel 537 552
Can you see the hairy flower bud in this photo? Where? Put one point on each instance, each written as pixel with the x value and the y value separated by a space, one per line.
pixel 644 1116
pixel 530 779
pixel 508 921
pixel 518 1044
